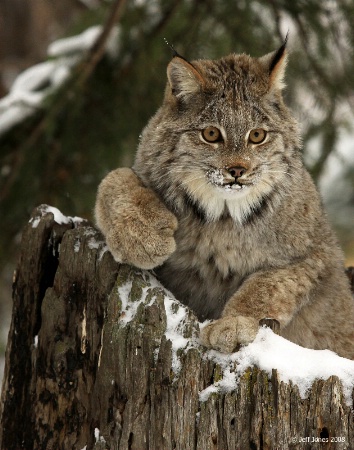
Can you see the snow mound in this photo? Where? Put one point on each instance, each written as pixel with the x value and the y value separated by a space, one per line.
pixel 296 364
pixel 59 217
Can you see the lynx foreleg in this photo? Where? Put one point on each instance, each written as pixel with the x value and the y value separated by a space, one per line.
pixel 276 294
pixel 138 228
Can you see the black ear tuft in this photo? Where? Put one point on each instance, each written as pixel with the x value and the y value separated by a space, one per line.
pixel 279 54
pixel 175 54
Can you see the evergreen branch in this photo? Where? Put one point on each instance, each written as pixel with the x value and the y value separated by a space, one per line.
pixel 80 75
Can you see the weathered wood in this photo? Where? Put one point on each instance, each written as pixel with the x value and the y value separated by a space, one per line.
pixel 48 376
pixel 83 368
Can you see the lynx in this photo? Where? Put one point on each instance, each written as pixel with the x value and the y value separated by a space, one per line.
pixel 220 205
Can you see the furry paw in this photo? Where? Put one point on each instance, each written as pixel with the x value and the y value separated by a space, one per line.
pixel 227 333
pixel 145 238
pixel 138 228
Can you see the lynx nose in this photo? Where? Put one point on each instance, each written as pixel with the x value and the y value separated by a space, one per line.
pixel 237 171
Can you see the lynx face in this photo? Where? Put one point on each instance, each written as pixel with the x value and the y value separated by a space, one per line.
pixel 223 140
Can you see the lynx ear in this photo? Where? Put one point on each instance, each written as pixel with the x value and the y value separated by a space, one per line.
pixel 184 78
pixel 275 63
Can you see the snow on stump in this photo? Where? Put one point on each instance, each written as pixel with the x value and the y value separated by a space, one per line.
pixel 101 356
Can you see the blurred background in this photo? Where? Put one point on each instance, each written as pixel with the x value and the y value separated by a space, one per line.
pixel 80 78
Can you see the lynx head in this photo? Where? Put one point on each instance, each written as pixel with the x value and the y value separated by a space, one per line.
pixel 223 141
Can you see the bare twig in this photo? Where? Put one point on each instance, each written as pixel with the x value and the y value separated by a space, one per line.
pixel 98 49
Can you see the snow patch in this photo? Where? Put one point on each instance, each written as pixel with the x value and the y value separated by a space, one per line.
pixel 30 89
pixel 77 246
pixel 98 437
pixel 228 383
pixel 95 244
pixel 176 314
pixel 103 250
pixel 129 309
pixel 293 363
pixel 83 42
pixel 59 217
pixel 31 80
pixel 215 176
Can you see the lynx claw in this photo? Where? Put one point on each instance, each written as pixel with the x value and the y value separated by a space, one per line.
pixel 227 333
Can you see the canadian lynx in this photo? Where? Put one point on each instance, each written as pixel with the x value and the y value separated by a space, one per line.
pixel 219 203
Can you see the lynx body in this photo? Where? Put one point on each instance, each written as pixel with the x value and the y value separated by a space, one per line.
pixel 220 205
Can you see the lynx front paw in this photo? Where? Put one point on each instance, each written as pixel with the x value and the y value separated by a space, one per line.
pixel 144 238
pixel 227 333
pixel 138 228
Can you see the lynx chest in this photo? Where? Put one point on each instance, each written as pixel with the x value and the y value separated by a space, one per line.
pixel 211 261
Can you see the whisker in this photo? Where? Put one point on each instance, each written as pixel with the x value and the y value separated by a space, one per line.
pixel 291 175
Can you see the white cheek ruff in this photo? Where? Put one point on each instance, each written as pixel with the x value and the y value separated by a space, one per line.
pixel 241 206
pixel 214 199
pixel 203 193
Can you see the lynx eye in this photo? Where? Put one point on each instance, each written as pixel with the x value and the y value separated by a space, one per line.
pixel 257 135
pixel 212 134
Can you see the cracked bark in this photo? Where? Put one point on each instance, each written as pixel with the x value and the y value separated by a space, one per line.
pixel 76 376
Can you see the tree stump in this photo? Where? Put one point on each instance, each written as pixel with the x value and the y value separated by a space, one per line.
pixel 93 362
